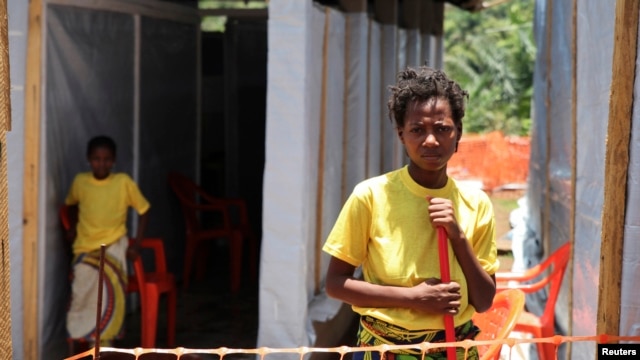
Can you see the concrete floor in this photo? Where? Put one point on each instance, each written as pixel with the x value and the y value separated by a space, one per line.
pixel 208 316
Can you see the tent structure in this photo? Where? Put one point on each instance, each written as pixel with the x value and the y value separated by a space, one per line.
pixel 584 170
pixel 114 68
pixel 337 83
pixel 131 68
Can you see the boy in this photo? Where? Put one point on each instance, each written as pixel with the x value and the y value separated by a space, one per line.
pixel 99 201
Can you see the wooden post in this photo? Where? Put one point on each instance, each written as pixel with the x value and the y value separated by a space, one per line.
pixel 31 176
pixel 617 164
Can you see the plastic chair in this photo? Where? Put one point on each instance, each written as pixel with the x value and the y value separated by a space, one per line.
pixel 150 286
pixel 195 202
pixel 498 322
pixel 65 217
pixel 549 272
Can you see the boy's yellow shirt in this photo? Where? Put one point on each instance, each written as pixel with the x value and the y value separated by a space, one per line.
pixel 102 208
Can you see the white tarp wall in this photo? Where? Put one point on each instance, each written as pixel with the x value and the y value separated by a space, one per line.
pixel 327 129
pixel 128 70
pixel 389 59
pixel 18 25
pixel 594 63
pixel 550 197
pixel 293 98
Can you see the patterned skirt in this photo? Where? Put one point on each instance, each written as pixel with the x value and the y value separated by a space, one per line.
pixel 375 332
pixel 82 312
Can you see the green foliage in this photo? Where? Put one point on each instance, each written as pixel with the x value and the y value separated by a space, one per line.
pixel 217 23
pixel 491 54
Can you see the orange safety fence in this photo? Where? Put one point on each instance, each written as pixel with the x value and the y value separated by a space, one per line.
pixel 183 353
pixel 493 159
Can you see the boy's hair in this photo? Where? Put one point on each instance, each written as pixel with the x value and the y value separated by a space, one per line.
pixel 422 84
pixel 101 141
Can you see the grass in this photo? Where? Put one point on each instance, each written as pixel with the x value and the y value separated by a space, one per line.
pixel 502 207
pixel 503 204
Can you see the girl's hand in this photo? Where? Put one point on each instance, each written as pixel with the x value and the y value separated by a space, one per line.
pixel 434 297
pixel 481 286
pixel 442 214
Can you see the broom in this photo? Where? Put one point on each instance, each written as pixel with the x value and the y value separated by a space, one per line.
pixel 445 276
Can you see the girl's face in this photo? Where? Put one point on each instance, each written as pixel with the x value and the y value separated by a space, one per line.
pixel 101 160
pixel 430 135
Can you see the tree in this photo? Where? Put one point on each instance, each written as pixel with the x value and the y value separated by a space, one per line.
pixel 491 54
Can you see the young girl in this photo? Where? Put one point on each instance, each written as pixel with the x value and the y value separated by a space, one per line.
pixel 99 201
pixel 388 227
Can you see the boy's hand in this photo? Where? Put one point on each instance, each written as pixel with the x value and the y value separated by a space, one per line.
pixel 70 235
pixel 133 251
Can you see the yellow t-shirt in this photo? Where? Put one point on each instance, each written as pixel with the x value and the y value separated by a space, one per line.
pixel 102 208
pixel 384 227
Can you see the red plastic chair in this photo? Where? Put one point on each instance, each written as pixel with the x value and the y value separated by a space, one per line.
pixel 150 286
pixel 195 202
pixel 549 274
pixel 498 322
pixel 65 217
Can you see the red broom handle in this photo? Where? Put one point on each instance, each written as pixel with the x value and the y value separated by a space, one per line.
pixel 445 276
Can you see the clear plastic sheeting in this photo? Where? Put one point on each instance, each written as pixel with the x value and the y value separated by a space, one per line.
pixel 333 126
pixel 389 41
pixel 168 132
pixel 549 194
pixel 594 59
pixel 132 78
pixel 293 100
pixel 356 99
pixel 359 141
pixel 402 48
pixel 413 48
pixel 14 151
pixel 560 149
pixel 376 114
pixel 538 157
pixel 531 246
pixel 88 92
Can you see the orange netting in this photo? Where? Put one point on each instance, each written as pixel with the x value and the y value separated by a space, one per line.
pixel 183 353
pixel 493 159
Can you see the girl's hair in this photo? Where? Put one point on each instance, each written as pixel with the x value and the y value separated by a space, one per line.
pixel 421 84
pixel 101 142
